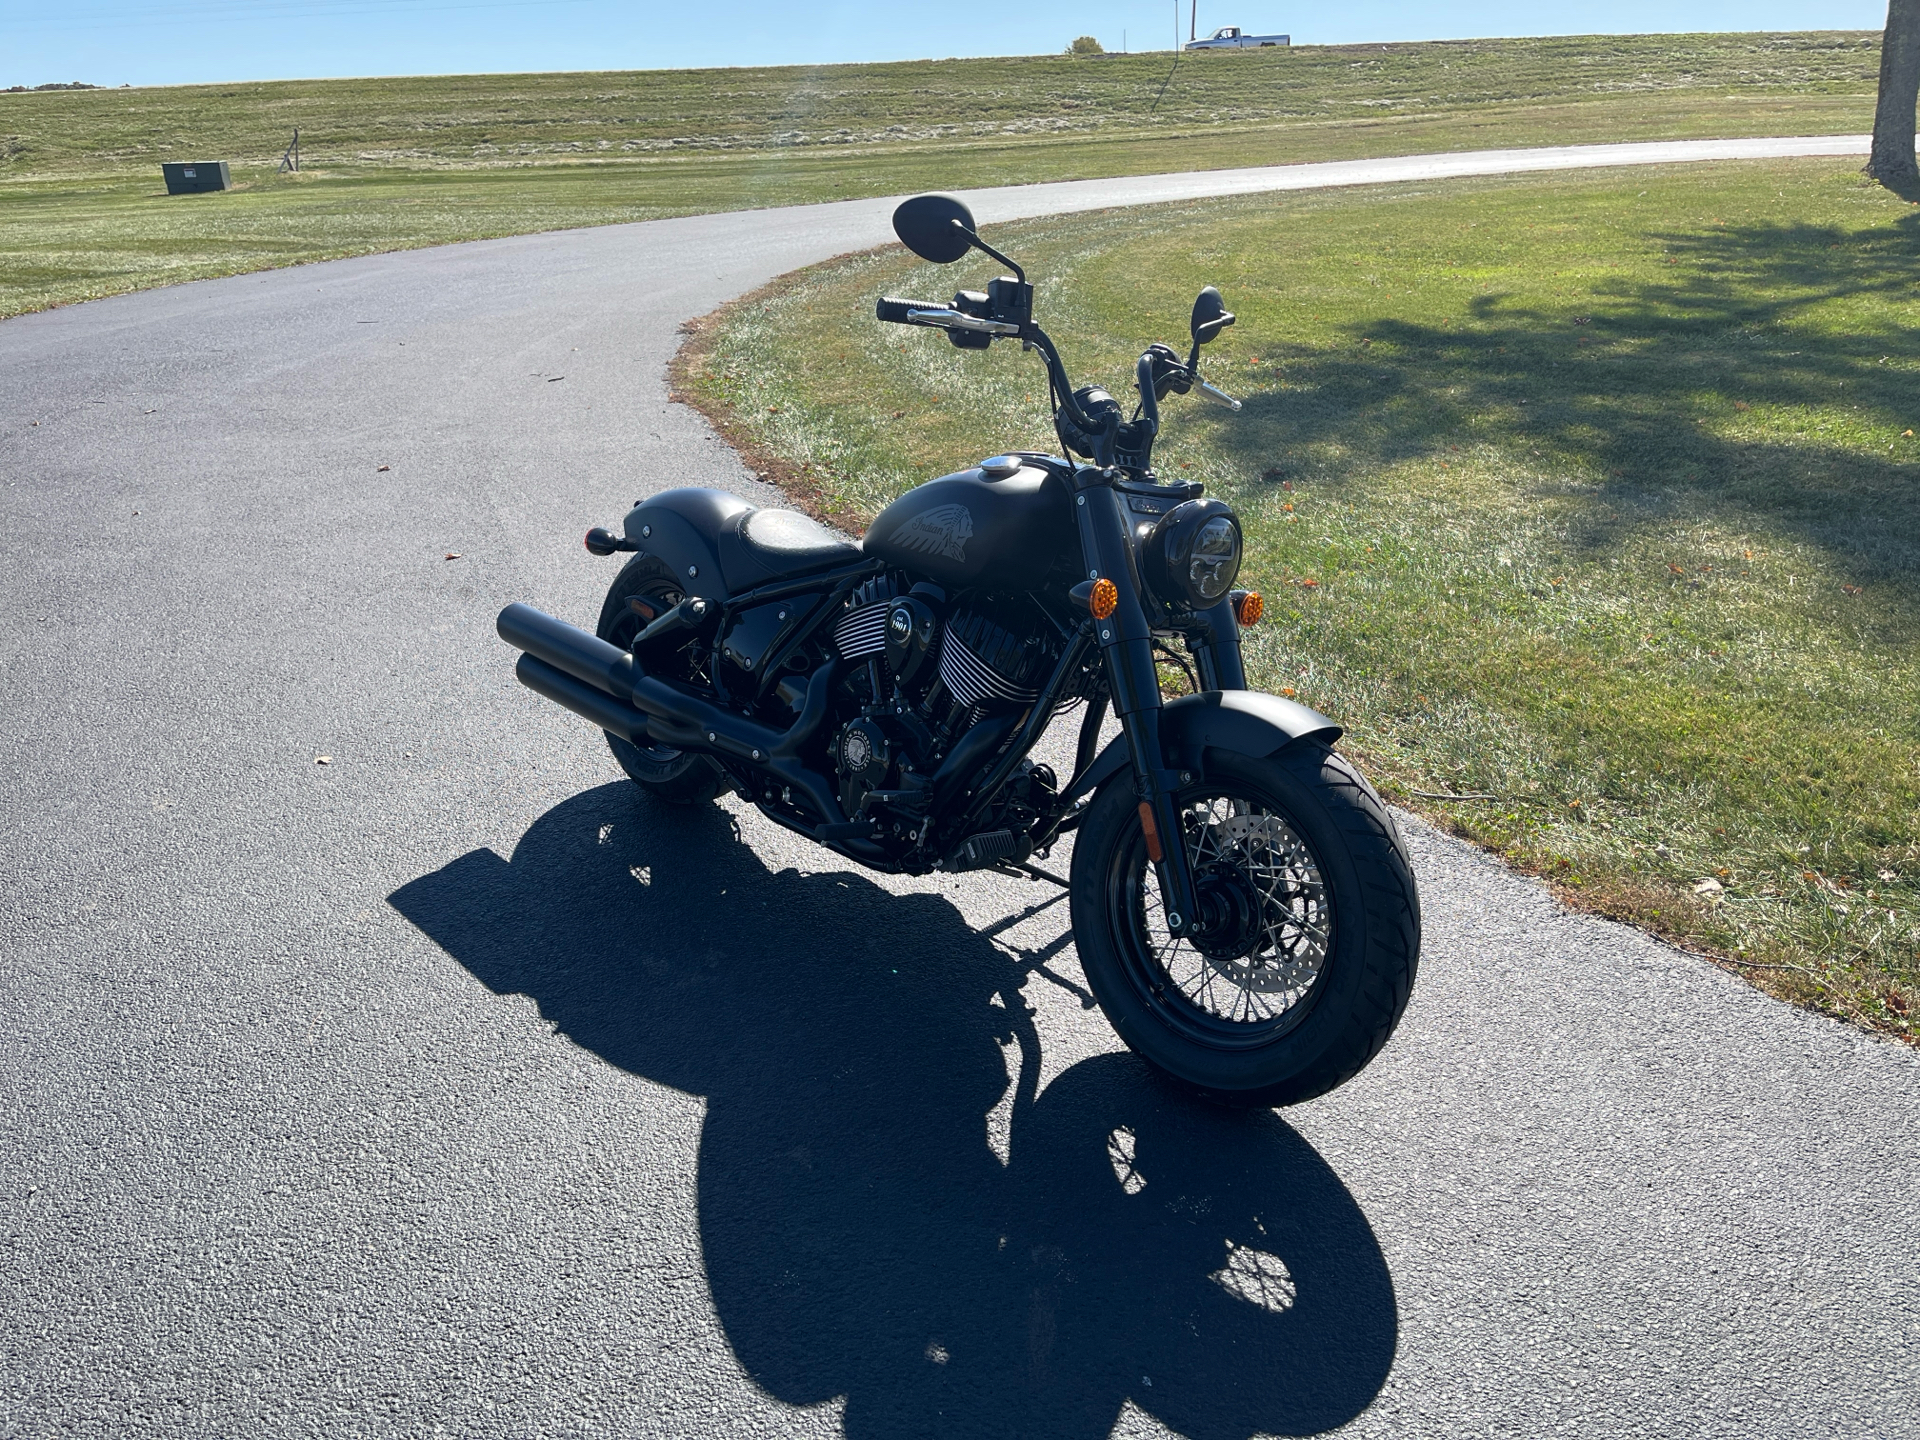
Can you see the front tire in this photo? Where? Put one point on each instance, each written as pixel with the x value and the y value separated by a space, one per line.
pixel 1310 966
pixel 671 775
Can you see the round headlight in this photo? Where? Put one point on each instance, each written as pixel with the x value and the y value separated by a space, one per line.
pixel 1193 555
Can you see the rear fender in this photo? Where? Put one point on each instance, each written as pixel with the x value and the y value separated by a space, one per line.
pixel 682 527
pixel 1243 722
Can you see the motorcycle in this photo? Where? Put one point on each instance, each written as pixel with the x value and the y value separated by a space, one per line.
pixel 1241 900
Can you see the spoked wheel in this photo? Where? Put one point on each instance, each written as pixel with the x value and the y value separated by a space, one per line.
pixel 1307 938
pixel 1252 974
pixel 673 775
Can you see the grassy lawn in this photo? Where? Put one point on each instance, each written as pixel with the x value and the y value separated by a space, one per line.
pixel 1587 504
pixel 396 163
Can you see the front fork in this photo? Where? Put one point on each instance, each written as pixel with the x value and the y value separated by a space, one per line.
pixel 1126 642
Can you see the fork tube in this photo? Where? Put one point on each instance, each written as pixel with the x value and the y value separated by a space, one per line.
pixel 1126 641
pixel 1215 642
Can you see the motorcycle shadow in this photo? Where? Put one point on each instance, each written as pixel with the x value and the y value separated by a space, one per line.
pixel 861 1235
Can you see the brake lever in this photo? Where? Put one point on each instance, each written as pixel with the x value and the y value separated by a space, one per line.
pixel 1218 395
pixel 955 320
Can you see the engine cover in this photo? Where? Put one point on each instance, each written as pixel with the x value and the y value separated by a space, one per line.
pixel 864 756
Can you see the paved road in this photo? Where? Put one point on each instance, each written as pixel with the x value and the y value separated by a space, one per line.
pixel 452 1088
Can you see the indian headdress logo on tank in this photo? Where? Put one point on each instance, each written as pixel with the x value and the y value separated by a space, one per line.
pixel 943 530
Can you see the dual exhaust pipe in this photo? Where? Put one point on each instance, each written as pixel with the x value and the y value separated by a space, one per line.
pixel 606 685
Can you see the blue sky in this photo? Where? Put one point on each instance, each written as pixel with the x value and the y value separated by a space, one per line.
pixel 161 42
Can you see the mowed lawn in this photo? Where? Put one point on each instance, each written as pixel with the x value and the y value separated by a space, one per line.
pixel 1586 504
pixel 395 163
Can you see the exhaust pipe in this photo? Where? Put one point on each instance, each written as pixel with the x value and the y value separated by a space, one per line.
pixel 607 668
pixel 604 684
pixel 611 715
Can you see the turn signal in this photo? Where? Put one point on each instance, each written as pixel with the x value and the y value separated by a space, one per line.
pixel 1104 600
pixel 1248 607
pixel 602 541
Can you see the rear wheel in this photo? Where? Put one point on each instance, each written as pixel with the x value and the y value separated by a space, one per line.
pixel 672 775
pixel 1311 934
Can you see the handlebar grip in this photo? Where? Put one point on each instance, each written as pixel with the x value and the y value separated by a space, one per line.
pixel 895 311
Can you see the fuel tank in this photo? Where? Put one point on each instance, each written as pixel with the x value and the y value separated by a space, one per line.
pixel 1000 526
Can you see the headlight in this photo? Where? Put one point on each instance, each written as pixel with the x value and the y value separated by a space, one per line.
pixel 1192 557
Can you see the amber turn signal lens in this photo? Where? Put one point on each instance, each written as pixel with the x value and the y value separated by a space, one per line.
pixel 1250 609
pixel 1104 600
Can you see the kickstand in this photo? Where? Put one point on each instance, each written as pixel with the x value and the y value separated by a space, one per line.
pixel 1020 868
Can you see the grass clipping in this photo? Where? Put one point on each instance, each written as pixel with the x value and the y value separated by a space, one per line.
pixel 1584 503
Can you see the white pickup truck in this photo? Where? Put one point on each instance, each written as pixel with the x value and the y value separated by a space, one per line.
pixel 1228 37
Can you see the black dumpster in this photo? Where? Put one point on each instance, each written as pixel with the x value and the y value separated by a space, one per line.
pixel 192 177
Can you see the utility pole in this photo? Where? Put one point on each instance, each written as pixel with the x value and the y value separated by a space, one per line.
pixel 291 160
pixel 1193 22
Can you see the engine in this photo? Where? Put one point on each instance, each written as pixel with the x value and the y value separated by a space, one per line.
pixel 938 684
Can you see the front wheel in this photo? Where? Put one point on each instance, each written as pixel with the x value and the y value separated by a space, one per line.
pixel 1311 927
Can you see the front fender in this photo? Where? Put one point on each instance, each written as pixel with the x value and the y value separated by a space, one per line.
pixel 1247 722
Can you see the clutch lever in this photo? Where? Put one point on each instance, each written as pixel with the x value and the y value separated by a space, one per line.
pixel 1218 395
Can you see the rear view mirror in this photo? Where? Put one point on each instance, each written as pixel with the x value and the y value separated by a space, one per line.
pixel 925 225
pixel 1210 315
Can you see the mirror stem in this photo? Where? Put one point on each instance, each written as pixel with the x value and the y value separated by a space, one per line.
pixel 979 244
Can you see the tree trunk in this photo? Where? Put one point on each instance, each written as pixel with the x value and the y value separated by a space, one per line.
pixel 1892 159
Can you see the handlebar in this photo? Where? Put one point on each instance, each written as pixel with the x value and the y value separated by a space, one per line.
pixel 1080 429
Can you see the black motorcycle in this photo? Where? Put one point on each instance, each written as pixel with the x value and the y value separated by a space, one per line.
pixel 1242 904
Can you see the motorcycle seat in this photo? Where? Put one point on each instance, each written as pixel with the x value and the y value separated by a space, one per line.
pixel 769 545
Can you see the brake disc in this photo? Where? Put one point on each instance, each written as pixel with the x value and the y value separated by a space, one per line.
pixel 1294 930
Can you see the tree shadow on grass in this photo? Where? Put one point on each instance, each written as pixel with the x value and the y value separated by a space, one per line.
pixel 1645 392
pixel 860 1234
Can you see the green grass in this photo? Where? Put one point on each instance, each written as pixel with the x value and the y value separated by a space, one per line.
pixel 1591 495
pixel 405 162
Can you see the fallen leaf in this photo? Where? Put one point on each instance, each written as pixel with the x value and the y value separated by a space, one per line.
pixel 1287 691
pixel 1904 434
pixel 1886 875
pixel 1287 506
pixel 555 379
pixel 453 554
pixel 898 413
pixel 1675 568
pixel 1851 589
pixel 1310 584
pixel 1741 405
pixel 382 469
pixel 1708 886
pixel 323 759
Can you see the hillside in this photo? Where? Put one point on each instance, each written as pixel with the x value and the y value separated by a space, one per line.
pixel 494 120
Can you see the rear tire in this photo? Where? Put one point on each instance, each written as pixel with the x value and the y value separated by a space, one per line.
pixel 1302 989
pixel 668 774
